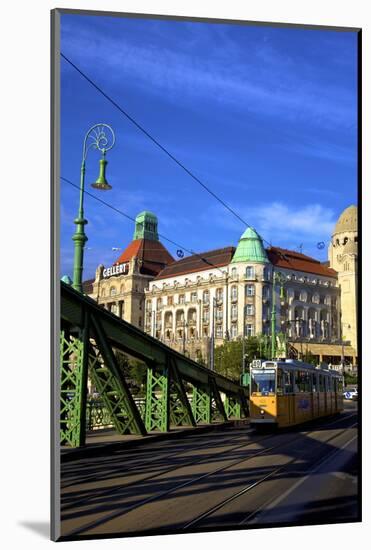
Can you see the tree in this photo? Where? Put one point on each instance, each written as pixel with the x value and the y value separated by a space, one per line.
pixel 310 358
pixel 135 372
pixel 228 356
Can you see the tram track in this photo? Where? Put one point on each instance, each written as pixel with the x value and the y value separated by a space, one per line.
pixel 160 495
pixel 111 492
pixel 157 462
pixel 274 472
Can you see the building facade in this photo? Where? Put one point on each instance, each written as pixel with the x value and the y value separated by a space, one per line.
pixel 229 292
pixel 121 287
pixel 201 300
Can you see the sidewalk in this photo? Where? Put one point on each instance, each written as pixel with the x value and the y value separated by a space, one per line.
pixel 107 440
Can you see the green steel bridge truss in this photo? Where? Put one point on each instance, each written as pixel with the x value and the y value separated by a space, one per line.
pixel 89 335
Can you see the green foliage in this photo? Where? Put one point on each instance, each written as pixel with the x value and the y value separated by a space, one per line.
pixel 349 379
pixel 310 358
pixel 135 372
pixel 228 356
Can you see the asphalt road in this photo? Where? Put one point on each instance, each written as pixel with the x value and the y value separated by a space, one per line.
pixel 219 480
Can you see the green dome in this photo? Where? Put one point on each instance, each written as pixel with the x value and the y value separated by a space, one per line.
pixel 66 279
pixel 250 248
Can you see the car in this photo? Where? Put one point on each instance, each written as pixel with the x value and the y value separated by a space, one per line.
pixel 352 393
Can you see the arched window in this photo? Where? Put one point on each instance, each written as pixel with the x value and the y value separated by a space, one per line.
pixel 234 292
pixel 112 291
pixel 234 272
pixel 250 290
pixel 250 272
pixel 206 297
pixel 345 240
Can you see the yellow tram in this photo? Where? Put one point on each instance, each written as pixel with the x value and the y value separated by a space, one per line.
pixel 285 393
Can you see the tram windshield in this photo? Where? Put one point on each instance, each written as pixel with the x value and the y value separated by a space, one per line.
pixel 263 381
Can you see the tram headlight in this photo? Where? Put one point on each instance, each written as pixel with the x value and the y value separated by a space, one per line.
pixel 262 412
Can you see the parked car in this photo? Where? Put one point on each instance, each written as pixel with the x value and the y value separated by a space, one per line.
pixel 351 394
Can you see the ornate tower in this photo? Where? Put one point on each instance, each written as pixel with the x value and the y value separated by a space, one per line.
pixel 146 226
pixel 343 257
pixel 250 254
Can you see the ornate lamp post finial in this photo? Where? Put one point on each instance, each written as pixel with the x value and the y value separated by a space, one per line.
pixel 101 137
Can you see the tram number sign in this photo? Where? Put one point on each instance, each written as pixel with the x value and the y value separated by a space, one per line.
pixel 256 364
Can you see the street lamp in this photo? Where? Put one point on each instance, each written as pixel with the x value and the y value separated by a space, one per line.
pixel 101 137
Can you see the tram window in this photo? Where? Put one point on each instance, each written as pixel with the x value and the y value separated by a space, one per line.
pixel 321 382
pixel 314 382
pixel 263 382
pixel 304 381
pixel 279 382
pixel 288 381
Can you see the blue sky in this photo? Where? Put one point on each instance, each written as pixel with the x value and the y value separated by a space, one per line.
pixel 266 117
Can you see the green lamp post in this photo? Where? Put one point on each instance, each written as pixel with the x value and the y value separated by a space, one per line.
pixel 278 278
pixel 101 137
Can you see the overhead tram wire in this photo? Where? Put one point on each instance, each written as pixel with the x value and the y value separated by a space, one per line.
pixel 191 252
pixel 156 142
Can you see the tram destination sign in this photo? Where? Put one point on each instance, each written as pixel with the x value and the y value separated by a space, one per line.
pixel 119 269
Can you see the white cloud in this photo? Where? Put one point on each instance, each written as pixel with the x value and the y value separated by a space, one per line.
pixel 280 221
pixel 281 224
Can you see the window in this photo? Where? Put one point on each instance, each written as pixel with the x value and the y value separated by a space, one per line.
pixel 280 379
pixel 250 290
pixel 266 274
pixel 194 297
pixel 234 312
pixel 249 310
pixel 181 299
pixel 249 330
pixel 288 381
pixel 206 315
pixel 314 383
pixel 234 273
pixel 265 291
pixel 250 272
pixel 169 300
pixel 206 297
pixel 112 291
pixel 303 381
pixel 234 293
pixel 219 314
pixel 219 331
pixel 234 331
pixel 219 294
pixel 263 382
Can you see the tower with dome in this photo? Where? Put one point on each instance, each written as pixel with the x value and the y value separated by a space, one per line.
pixel 343 258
